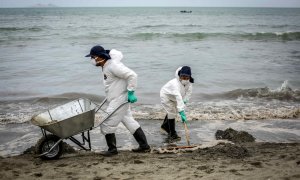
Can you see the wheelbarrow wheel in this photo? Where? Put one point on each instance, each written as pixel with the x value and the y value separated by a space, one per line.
pixel 46 143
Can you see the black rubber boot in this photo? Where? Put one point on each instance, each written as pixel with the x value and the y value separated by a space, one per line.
pixel 142 141
pixel 165 125
pixel 111 143
pixel 173 134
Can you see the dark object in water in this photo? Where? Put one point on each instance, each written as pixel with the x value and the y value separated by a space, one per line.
pixel 184 11
pixel 234 136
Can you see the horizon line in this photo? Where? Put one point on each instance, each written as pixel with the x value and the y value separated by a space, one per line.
pixel 149 7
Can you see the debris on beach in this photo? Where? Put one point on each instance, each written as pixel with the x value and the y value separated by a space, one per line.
pixel 234 136
pixel 223 146
pixel 173 149
pixel 230 150
pixel 66 149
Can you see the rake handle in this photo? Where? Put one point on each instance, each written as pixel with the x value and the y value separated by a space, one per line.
pixel 187 133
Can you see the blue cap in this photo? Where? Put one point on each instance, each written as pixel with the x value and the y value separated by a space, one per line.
pixel 186 71
pixel 99 51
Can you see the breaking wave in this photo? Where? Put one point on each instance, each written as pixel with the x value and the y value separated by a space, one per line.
pixel 167 25
pixel 284 93
pixel 214 110
pixel 226 110
pixel 263 36
pixel 285 36
pixel 152 26
pixel 67 97
pixel 239 104
pixel 13 29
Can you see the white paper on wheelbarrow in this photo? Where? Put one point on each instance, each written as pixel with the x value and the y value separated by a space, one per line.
pixel 62 112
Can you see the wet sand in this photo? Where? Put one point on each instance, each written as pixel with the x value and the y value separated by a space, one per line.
pixel 223 161
pixel 16 138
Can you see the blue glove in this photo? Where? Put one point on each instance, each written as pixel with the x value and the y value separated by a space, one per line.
pixel 131 97
pixel 183 117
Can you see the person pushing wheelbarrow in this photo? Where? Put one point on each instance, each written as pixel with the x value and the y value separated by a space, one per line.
pixel 120 83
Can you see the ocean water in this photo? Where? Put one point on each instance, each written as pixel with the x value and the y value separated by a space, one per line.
pixel 245 61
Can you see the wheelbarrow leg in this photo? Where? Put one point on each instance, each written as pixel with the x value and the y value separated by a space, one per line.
pixel 87 139
pixel 79 143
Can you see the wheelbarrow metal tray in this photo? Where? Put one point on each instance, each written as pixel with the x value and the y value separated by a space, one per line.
pixel 68 119
pixel 73 125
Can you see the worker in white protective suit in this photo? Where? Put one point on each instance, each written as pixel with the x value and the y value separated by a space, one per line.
pixel 174 95
pixel 120 83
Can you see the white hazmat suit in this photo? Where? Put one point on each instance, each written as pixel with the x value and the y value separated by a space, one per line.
pixel 174 94
pixel 117 80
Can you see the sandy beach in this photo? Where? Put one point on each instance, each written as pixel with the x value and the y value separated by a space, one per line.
pixel 223 161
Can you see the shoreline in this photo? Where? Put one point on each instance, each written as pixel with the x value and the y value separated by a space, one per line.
pixel 16 138
pixel 257 160
pixel 220 110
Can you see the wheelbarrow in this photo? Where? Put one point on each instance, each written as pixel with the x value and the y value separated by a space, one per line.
pixel 66 121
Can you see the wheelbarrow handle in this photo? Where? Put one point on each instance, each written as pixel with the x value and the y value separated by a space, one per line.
pixel 108 116
pixel 102 103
